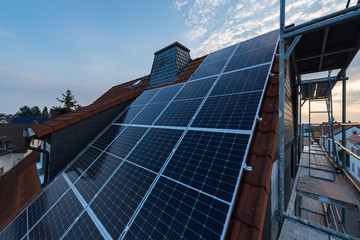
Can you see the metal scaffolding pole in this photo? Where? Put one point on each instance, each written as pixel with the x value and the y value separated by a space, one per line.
pixel 281 192
pixel 343 210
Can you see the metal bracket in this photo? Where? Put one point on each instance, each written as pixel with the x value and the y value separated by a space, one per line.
pixel 259 119
pixel 292 46
pixel 248 168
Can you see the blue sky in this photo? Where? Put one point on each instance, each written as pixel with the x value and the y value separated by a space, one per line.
pixel 47 47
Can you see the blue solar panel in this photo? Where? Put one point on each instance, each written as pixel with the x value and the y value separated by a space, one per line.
pixel 54 224
pixel 251 58
pixel 196 89
pixel 173 211
pixel 145 97
pixel 166 94
pixel 220 54
pixel 84 229
pixel 17 229
pixel 206 70
pixel 126 141
pixel 242 81
pixel 130 113
pixel 107 137
pixel 46 200
pixel 179 113
pixel 154 148
pixel 82 163
pixel 93 179
pixel 209 161
pixel 237 111
pixel 148 115
pixel 117 202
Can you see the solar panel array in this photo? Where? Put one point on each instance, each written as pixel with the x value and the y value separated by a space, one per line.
pixel 169 166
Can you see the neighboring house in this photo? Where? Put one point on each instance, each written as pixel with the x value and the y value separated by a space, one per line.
pixel 3 121
pixel 68 137
pixel 353 144
pixel 12 145
pixel 350 130
pixel 30 120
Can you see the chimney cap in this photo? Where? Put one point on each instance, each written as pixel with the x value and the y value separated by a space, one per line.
pixel 172 45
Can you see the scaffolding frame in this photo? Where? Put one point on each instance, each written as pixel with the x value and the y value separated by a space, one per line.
pixel 296 32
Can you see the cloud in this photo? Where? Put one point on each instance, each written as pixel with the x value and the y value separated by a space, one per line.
pixel 195 33
pixel 178 5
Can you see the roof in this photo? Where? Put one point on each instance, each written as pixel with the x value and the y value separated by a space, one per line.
pixel 114 96
pixel 15 132
pixel 247 219
pixel 355 139
pixel 177 44
pixel 30 120
pixel 338 129
pixel 21 185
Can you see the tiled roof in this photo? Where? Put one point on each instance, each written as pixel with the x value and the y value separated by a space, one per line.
pixel 248 216
pixel 15 132
pixel 354 138
pixel 339 129
pixel 21 185
pixel 116 95
pixel 247 220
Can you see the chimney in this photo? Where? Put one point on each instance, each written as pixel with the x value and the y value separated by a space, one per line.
pixel 169 63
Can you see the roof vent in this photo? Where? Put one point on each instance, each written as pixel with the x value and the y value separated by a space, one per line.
pixel 169 63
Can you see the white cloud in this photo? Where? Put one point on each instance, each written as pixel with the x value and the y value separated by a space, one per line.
pixel 8 34
pixel 178 5
pixel 195 33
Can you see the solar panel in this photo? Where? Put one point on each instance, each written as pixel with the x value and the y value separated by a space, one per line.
pixel 169 166
pixel 235 111
pixel 118 200
pixel 166 93
pixel 208 161
pixel 153 150
pixel 84 228
pixel 64 211
pixel 174 211
pixel 179 113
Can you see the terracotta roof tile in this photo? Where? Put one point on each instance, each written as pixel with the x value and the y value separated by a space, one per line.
pixel 21 185
pixel 15 132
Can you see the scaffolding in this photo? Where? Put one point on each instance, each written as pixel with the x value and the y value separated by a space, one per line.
pixel 338 35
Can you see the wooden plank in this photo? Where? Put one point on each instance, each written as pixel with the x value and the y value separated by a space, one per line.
pixel 336 192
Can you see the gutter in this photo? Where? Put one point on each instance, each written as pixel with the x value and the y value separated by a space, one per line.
pixel 28 136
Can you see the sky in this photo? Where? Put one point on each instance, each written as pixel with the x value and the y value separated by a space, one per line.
pixel 47 47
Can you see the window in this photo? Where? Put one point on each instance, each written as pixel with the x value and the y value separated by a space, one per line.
pixel 359 172
pixel 352 167
pixel 354 132
pixel 352 149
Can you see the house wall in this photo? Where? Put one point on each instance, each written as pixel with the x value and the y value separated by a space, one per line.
pixel 9 160
pixel 75 137
pixel 272 225
pixel 338 137
pixel 354 162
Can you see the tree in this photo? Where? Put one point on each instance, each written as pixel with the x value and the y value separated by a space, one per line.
pixel 24 111
pixel 70 104
pixel 69 101
pixel 45 112
pixel 35 111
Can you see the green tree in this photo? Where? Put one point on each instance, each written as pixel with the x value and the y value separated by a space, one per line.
pixel 24 111
pixel 35 111
pixel 70 104
pixel 45 112
pixel 69 101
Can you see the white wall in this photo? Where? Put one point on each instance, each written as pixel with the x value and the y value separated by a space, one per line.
pixel 338 137
pixel 9 160
pixel 354 162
